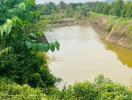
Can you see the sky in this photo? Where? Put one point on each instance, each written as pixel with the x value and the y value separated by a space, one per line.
pixel 67 1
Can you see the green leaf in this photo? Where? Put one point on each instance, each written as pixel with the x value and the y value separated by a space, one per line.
pixel 40 33
pixel 34 46
pixel 22 6
pixel 29 3
pixel 46 47
pixel 28 44
pixel 52 47
pixel 57 45
pixel 7 26
pixel 1 30
pixel 33 35
pixel 33 40
pixel 40 46
pixel 16 20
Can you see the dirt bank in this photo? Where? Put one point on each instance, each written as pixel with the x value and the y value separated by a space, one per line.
pixel 116 30
pixel 112 29
pixel 67 23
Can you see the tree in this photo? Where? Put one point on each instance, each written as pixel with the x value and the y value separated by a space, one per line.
pixel 84 11
pixel 62 6
pixel 22 53
pixel 69 11
pixel 117 8
pixel 48 8
pixel 127 10
pixel 106 8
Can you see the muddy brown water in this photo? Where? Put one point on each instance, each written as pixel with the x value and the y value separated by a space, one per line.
pixel 83 56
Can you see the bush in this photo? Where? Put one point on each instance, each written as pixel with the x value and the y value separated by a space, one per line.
pixel 25 68
pixel 13 91
pixel 22 44
pixel 101 89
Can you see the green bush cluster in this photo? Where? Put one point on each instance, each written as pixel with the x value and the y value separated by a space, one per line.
pixel 13 91
pixel 22 47
pixel 101 89
pixel 26 68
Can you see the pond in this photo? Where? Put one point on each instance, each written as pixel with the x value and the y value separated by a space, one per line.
pixel 83 56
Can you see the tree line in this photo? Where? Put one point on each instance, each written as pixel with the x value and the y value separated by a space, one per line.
pixel 118 8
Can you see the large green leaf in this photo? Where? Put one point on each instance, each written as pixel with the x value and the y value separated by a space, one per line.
pixel 29 3
pixel 1 30
pixel 22 6
pixel 34 46
pixel 16 21
pixel 40 46
pixel 40 34
pixel 46 47
pixel 8 25
pixel 52 47
pixel 57 45
pixel 33 35
pixel 28 44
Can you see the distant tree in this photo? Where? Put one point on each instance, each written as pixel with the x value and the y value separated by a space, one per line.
pixel 52 7
pixel 69 11
pixel 73 5
pixel 48 9
pixel 84 11
pixel 106 8
pixel 127 10
pixel 62 6
pixel 117 7
pixel 98 7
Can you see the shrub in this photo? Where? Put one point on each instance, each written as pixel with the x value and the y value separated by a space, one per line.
pixel 13 91
pixel 22 47
pixel 101 89
pixel 26 69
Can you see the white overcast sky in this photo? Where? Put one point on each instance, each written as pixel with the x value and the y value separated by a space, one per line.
pixel 67 1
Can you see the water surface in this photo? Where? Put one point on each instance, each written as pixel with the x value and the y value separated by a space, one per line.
pixel 83 56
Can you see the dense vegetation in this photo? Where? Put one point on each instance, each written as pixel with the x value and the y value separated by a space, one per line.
pixel 118 8
pixel 12 91
pixel 101 89
pixel 23 47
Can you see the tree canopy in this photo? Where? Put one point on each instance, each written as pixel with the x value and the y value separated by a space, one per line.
pixel 22 49
pixel 118 8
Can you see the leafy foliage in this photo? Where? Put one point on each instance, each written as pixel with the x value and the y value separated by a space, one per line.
pixel 13 91
pixel 118 8
pixel 26 68
pixel 101 89
pixel 22 22
pixel 22 49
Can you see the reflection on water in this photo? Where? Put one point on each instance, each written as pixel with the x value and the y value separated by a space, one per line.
pixel 123 54
pixel 83 56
